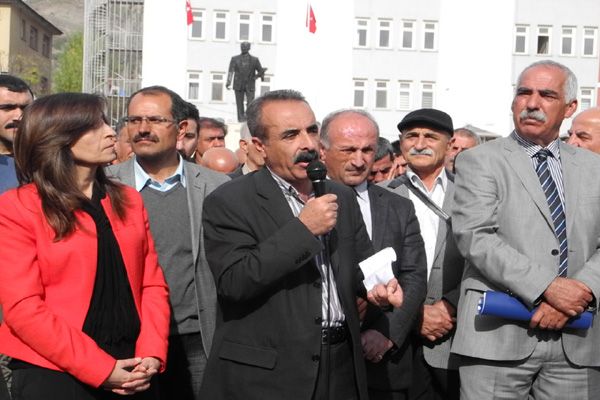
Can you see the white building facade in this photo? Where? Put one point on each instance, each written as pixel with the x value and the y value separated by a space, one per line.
pixel 387 57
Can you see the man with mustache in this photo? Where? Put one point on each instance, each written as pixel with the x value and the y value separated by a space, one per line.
pixel 424 140
pixel 526 219
pixel 349 143
pixel 288 325
pixel 15 95
pixel 173 191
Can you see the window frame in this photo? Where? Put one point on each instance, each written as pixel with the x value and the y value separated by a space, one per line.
pixel 198 18
pixel 572 36
pixel 198 81
pixel 537 41
pixel 386 90
pixel 359 85
pixel 381 29
pixel 214 81
pixel 239 26
pixel 358 28
pixel 594 38
pixel 409 95
pixel 433 31
pixel 216 21
pixel 525 36
pixel 428 90
pixel 412 31
pixel 263 23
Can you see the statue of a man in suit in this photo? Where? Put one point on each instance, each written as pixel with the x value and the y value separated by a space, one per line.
pixel 246 69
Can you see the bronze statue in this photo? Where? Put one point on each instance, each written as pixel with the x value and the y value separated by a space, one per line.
pixel 246 69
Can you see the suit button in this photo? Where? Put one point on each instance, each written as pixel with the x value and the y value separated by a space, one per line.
pixel 316 357
pixel 554 252
pixel 318 320
pixel 317 285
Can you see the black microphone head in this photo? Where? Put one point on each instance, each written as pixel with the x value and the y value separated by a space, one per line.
pixel 316 171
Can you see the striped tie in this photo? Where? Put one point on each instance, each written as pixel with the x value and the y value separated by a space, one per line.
pixel 556 208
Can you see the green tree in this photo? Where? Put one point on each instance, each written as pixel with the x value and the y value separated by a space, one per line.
pixel 68 75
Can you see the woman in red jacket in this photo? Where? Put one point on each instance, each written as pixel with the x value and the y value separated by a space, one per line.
pixel 85 303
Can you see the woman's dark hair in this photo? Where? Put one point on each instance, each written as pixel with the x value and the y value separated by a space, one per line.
pixel 43 156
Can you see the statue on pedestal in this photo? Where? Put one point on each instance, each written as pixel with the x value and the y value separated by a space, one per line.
pixel 244 69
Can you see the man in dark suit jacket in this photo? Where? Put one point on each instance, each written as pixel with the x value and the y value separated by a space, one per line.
pixel 425 135
pixel 348 147
pixel 244 69
pixel 262 231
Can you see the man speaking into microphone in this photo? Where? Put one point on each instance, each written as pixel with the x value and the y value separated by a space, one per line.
pixel 280 332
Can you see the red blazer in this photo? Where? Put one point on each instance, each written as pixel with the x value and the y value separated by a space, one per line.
pixel 46 286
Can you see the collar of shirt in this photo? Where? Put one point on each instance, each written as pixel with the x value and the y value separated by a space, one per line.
pixel 142 179
pixel 531 148
pixel 362 190
pixel 286 187
pixel 442 180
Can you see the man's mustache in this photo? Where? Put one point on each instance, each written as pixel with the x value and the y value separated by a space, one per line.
pixel 306 156
pixel 423 152
pixel 12 125
pixel 144 136
pixel 538 115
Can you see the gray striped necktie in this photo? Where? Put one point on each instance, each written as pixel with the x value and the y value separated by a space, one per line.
pixel 556 207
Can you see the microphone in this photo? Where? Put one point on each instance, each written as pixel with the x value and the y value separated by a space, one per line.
pixel 317 173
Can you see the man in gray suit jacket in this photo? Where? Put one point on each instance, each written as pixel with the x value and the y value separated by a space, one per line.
pixel 425 135
pixel 514 241
pixel 173 192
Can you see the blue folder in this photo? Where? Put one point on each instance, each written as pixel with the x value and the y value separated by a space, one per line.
pixel 500 304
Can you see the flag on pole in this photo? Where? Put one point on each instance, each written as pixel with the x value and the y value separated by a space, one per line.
pixel 311 21
pixel 188 10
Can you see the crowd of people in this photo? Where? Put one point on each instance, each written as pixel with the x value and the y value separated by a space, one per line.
pixel 152 261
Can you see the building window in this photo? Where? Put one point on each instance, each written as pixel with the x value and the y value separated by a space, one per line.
pixel 220 25
pixel 265 86
pixel 46 46
pixel 362 33
pixel 590 37
pixel 404 95
pixel 244 27
pixel 408 34
pixel 586 98
pixel 194 85
pixel 381 94
pixel 384 33
pixel 197 30
pixel 429 35
pixel 359 93
pixel 427 95
pixel 217 86
pixel 266 28
pixel 521 36
pixel 33 38
pixel 23 30
pixel 543 40
pixel 567 41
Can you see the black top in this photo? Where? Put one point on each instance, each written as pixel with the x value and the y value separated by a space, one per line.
pixel 112 319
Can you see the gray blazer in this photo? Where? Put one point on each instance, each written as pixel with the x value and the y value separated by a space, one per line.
pixel 503 227
pixel 444 280
pixel 200 182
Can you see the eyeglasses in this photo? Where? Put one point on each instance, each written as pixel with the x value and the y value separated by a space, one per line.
pixel 11 107
pixel 152 120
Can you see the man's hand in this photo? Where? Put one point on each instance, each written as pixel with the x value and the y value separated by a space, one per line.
pixel 438 319
pixel 548 317
pixel 361 304
pixel 320 214
pixel 374 345
pixel 385 295
pixel 569 296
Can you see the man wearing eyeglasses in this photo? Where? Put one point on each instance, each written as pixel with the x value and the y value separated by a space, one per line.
pixel 15 95
pixel 173 192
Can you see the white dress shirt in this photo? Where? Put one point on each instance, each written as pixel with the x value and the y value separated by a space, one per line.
pixel 362 196
pixel 428 220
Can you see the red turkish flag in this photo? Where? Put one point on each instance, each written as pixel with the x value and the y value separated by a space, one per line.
pixel 188 10
pixel 311 21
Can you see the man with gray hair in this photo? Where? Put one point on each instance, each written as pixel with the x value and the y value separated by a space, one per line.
pixel 526 219
pixel 348 147
pixel 463 139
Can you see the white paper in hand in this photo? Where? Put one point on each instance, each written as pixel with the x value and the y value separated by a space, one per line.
pixel 378 268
